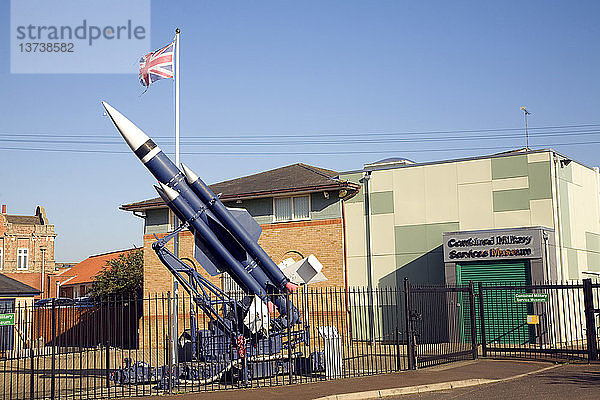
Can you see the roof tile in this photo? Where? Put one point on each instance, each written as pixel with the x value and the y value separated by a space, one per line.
pixel 291 178
pixel 85 271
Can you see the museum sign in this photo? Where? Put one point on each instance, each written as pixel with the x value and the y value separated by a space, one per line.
pixel 492 245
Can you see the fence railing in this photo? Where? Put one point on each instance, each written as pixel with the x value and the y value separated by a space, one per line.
pixel 130 346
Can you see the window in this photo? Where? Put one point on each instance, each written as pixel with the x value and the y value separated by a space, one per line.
pixel 22 259
pixel 1 257
pixel 291 208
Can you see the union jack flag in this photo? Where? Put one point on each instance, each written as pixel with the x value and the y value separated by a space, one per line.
pixel 157 65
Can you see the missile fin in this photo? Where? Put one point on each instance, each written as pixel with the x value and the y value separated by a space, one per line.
pixel 246 220
pixel 205 258
pixel 234 247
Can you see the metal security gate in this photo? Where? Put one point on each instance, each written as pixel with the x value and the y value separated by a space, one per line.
pixel 539 321
pixel 441 324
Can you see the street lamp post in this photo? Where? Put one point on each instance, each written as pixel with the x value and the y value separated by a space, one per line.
pixel 524 109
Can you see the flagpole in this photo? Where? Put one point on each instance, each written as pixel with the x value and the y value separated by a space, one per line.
pixel 176 239
pixel 177 97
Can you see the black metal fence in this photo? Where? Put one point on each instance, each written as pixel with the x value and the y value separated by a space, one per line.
pixel 538 321
pixel 441 323
pixel 130 346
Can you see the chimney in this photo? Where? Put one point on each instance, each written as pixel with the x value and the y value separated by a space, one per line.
pixel 3 208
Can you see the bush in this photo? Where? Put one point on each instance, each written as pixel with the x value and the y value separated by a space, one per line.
pixel 122 276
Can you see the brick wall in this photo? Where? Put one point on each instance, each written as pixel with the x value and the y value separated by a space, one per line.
pixel 157 278
pixel 323 238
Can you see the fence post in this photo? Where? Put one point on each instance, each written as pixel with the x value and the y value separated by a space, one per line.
pixel 398 363
pixel 53 367
pixel 590 323
pixel 410 344
pixel 473 319
pixel 482 321
pixel 289 338
pixel 31 344
pixel 107 329
pixel 169 343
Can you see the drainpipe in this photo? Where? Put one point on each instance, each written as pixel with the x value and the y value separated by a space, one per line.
pixel 597 171
pixel 345 265
pixel 43 250
pixel 547 256
pixel 559 242
pixel 370 288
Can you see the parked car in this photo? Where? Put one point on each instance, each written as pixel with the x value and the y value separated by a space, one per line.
pixel 58 302
pixel 85 301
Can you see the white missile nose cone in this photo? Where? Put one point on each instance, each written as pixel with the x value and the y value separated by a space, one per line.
pixel 190 176
pixel 170 193
pixel 133 135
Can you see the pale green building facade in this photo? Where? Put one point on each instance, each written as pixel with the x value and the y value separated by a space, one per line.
pixel 394 225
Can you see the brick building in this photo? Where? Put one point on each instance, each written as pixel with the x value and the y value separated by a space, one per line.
pixel 78 280
pixel 299 208
pixel 27 248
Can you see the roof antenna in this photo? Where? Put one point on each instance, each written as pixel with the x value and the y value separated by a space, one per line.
pixel 526 113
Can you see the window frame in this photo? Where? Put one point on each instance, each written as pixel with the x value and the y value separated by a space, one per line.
pixel 292 208
pixel 25 256
pixel 1 256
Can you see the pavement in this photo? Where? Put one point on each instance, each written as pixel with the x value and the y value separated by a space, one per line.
pixel 569 381
pixel 466 379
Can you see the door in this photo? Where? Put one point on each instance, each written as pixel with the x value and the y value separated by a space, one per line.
pixel 505 320
pixel 7 333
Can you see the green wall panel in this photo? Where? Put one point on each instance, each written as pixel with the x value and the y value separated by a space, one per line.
pixel 592 243
pixel 511 200
pixel 411 239
pixel 382 202
pixel 573 263
pixel 419 239
pixel 540 181
pixel 434 232
pixel 565 215
pixel 509 167
pixel 419 254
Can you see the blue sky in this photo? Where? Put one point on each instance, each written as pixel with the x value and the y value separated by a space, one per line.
pixel 304 70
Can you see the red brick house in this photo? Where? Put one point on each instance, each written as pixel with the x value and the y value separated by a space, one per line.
pixel 299 208
pixel 27 249
pixel 78 280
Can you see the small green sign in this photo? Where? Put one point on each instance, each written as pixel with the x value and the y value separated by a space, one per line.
pixel 531 298
pixel 7 319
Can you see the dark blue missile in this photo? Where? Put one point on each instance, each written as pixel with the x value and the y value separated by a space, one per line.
pixel 232 224
pixel 234 232
pixel 238 273
pixel 165 172
pixel 217 247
